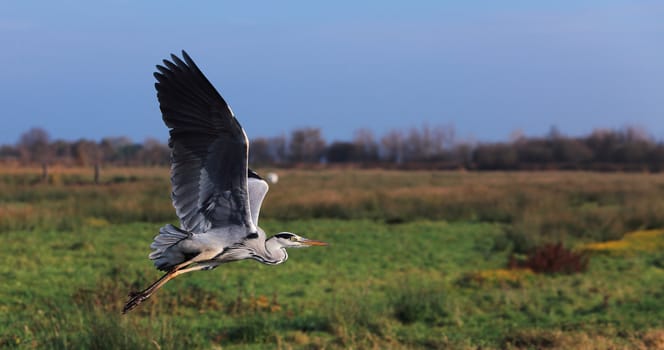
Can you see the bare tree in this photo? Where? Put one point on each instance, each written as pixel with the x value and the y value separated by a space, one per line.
pixel 633 133
pixel 61 151
pixel 393 146
pixel 366 147
pixel 259 152
pixel 111 148
pixel 33 146
pixel 306 145
pixel 85 152
pixel 267 150
pixel 154 152
pixel 517 135
pixel 427 143
pixel 277 146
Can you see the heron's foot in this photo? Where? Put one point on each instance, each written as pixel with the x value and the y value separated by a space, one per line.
pixel 135 298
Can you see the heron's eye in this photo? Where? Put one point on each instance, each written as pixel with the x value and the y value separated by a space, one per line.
pixel 293 238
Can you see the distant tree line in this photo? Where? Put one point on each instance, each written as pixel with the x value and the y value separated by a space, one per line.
pixel 425 147
pixel 35 147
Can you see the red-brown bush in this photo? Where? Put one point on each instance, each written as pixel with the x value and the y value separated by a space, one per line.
pixel 552 258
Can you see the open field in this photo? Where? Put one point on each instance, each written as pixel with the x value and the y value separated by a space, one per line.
pixel 418 260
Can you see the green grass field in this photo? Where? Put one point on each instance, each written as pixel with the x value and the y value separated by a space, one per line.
pixel 417 260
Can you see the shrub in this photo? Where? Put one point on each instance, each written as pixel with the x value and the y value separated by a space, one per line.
pixel 552 258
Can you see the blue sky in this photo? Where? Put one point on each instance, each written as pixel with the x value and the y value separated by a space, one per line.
pixel 83 69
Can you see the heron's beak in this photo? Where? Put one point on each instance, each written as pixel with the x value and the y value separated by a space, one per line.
pixel 313 242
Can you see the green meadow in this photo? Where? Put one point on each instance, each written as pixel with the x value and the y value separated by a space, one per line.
pixel 417 260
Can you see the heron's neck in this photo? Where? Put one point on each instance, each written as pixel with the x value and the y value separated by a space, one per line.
pixel 274 253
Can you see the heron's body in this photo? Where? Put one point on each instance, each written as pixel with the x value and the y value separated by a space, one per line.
pixel 216 196
pixel 217 246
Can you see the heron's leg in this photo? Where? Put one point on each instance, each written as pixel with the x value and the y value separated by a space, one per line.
pixel 138 297
pixel 169 276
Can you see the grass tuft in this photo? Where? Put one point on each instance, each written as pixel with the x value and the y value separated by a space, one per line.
pixel 414 301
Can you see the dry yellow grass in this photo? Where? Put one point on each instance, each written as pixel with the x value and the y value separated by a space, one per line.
pixel 539 205
pixel 644 240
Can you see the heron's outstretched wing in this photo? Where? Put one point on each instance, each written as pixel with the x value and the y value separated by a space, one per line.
pixel 257 190
pixel 208 149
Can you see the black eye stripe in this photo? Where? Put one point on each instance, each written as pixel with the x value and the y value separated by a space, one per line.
pixel 284 235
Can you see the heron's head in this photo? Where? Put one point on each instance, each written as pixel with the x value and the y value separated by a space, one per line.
pixel 291 240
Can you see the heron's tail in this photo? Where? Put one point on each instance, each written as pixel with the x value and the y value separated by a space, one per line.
pixel 169 236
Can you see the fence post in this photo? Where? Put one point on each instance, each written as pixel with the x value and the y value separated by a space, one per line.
pixel 96 173
pixel 44 175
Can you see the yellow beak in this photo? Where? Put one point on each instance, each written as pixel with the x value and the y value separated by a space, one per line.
pixel 313 242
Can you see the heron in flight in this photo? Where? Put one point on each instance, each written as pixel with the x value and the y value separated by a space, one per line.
pixel 216 196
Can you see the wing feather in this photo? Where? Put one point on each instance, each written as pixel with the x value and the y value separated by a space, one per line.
pixel 258 188
pixel 208 149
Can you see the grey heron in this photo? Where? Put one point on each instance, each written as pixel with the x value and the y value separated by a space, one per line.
pixel 216 196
